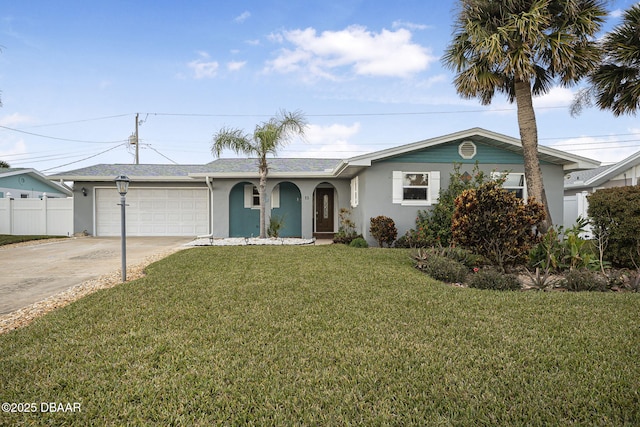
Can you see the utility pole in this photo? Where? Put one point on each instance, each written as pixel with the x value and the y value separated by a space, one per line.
pixel 137 142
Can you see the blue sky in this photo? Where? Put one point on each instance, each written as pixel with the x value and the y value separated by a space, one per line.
pixel 367 74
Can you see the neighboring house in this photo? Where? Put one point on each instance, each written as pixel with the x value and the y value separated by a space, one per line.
pixel 578 185
pixel 23 183
pixel 220 198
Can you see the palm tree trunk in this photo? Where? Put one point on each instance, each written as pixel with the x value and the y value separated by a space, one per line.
pixel 529 139
pixel 262 188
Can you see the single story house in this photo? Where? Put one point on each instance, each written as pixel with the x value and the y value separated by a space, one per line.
pixel 220 198
pixel 579 184
pixel 25 183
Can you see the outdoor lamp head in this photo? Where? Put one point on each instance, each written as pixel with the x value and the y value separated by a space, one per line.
pixel 122 184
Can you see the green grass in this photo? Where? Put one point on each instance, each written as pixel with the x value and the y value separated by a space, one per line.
pixel 7 239
pixel 324 335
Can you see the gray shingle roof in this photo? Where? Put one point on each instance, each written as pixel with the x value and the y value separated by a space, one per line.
pixel 282 165
pixel 135 170
pixel 584 175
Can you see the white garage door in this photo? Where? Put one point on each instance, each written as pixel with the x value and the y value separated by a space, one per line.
pixel 154 212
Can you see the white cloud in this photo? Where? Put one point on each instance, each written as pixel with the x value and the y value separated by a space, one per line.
pixel 10 149
pixel 330 141
pixel 409 25
pixel 616 13
pixel 235 65
pixel 556 97
pixel 242 17
pixel 605 149
pixel 388 53
pixel 14 120
pixel 203 68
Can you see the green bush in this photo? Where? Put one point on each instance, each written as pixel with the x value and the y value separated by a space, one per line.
pixel 494 222
pixel 561 249
pixel 347 228
pixel 276 223
pixel 615 213
pixel 384 230
pixel 584 280
pixel 359 242
pixel 440 267
pixel 433 227
pixel 489 278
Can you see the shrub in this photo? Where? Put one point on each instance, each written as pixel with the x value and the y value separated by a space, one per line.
pixel 584 280
pixel 384 230
pixel 440 267
pixel 359 242
pixel 275 225
pixel 615 213
pixel 489 278
pixel 561 249
pixel 412 239
pixel 347 228
pixel 494 222
pixel 433 227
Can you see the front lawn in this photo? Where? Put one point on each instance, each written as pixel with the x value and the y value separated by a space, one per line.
pixel 324 335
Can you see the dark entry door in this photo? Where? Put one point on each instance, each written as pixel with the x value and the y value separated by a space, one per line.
pixel 324 210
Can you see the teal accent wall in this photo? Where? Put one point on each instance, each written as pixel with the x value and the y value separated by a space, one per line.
pixel 448 153
pixel 25 182
pixel 243 222
pixel 291 208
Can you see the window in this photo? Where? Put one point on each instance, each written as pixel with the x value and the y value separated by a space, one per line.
pixel 416 188
pixel 514 182
pixel 251 196
pixel 354 192
pixel 24 196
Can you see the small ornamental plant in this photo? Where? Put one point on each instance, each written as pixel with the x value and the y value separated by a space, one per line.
pixel 384 230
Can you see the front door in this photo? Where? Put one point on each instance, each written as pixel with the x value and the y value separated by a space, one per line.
pixel 324 210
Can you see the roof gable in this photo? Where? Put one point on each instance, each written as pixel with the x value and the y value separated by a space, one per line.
pixel 480 137
pixel 448 153
pixel 601 175
pixel 30 180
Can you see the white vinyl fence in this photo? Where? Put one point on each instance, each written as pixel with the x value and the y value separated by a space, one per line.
pixel 574 207
pixel 46 216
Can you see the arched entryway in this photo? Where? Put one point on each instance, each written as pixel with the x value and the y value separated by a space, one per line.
pixel 244 211
pixel 286 204
pixel 324 206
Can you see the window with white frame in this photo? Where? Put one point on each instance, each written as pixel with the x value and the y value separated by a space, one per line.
pixel 416 188
pixel 513 182
pixel 354 192
pixel 252 197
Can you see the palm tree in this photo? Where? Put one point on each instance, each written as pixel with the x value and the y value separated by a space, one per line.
pixel 4 164
pixel 267 138
pixel 521 48
pixel 615 84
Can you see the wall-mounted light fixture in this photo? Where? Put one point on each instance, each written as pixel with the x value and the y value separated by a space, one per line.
pixel 84 191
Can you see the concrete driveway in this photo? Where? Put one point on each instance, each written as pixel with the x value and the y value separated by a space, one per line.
pixel 31 273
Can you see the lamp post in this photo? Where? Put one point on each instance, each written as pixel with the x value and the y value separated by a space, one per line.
pixel 122 184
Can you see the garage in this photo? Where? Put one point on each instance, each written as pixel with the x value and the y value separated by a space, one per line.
pixel 153 212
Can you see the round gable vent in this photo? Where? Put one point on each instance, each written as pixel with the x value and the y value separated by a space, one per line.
pixel 467 150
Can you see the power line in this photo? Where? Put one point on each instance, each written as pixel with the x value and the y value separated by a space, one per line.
pixel 150 147
pixel 86 158
pixel 80 121
pixel 58 139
